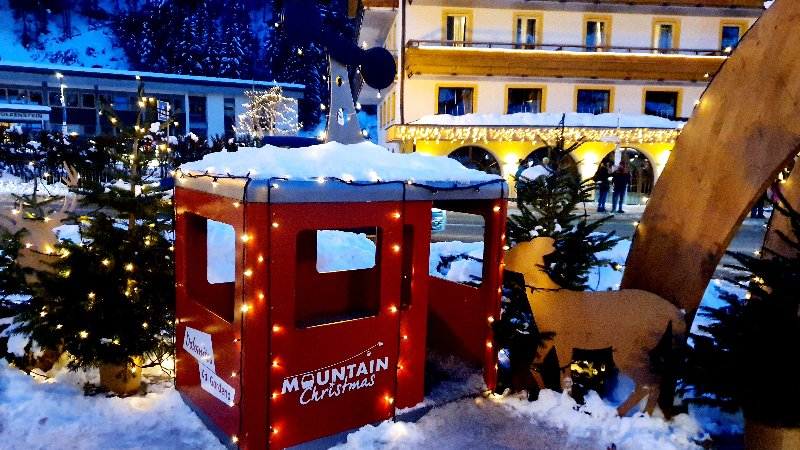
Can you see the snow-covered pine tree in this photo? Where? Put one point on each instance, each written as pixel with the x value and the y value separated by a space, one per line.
pixel 549 207
pixel 110 297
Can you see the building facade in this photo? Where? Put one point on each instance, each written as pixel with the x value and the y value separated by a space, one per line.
pixel 503 68
pixel 31 96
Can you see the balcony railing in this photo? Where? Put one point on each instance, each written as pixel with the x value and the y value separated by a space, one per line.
pixel 567 47
pixel 758 4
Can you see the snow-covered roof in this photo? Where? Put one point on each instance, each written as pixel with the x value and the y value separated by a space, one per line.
pixel 336 172
pixel 95 72
pixel 608 120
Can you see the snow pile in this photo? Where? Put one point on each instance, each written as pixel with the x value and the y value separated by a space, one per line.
pixel 607 120
pixel 363 162
pixel 553 421
pixel 53 412
pixel 343 250
pixel 10 184
pixel 456 261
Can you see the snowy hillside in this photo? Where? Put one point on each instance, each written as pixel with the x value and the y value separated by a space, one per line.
pixel 91 44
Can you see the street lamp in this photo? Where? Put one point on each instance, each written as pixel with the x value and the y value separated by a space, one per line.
pixel 60 76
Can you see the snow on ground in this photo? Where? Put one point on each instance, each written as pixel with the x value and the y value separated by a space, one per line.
pixel 364 162
pixel 53 413
pixel 10 184
pixel 607 120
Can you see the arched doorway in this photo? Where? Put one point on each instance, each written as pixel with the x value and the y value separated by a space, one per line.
pixel 474 157
pixel 535 157
pixel 642 174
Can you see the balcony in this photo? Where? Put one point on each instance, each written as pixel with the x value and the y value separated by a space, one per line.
pixel 428 57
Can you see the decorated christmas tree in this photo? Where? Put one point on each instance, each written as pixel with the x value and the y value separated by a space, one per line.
pixel 268 113
pixel 550 206
pixel 109 296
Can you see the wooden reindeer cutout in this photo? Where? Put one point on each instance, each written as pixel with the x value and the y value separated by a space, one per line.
pixel 630 321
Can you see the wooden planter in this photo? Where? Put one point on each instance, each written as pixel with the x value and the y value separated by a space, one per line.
pixel 761 436
pixel 121 379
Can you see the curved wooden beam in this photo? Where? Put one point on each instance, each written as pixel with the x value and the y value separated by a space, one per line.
pixel 745 130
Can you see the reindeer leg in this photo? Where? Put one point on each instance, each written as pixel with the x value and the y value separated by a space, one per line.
pixel 638 394
pixel 652 400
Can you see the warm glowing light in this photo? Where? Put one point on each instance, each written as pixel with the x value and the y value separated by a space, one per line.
pixel 248 273
pixel 145 325
pixel 261 296
pixel 245 308
pixel 233 374
pixel 260 258
pixel 106 262
pixel 396 248
pixel 234 439
pixel 275 225
pixel 83 334
pixel 91 294
pixel 276 328
pixel 393 309
pixel 275 395
pixel 511 158
pixel 496 209
pixel 235 204
pixel 405 337
pixel 489 345
pixel 129 267
pixel 491 319
pixel 274 363
pixel 635 224
pixel 396 215
pixel 245 238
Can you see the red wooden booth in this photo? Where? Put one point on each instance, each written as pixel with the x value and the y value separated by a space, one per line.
pixel 285 354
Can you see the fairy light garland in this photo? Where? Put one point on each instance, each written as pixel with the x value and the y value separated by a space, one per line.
pixel 454 133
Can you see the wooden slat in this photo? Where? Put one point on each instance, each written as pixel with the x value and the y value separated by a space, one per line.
pixel 380 3
pixel 523 63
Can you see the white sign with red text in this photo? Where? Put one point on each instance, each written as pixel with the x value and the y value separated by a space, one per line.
pixel 198 344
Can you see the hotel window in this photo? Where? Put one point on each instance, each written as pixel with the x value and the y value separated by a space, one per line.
pixel 524 100
pixel 730 35
pixel 593 101
pixel 598 32
pixel 526 32
pixel 455 101
pixel 665 35
pixel 661 103
pixel 456 27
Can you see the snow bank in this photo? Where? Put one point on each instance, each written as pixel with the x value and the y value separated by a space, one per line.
pixel 364 162
pixel 606 278
pixel 607 120
pixel 553 421
pixel 10 184
pixel 468 265
pixel 53 413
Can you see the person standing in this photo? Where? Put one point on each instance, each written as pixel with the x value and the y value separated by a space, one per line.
pixel 602 181
pixel 620 180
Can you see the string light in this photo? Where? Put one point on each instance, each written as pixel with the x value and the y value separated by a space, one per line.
pixel 529 134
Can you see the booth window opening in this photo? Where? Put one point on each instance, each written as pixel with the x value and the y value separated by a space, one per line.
pixel 211 265
pixel 337 275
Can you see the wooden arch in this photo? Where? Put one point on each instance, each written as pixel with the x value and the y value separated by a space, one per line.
pixel 743 133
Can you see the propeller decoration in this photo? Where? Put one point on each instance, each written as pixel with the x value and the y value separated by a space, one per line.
pixel 303 23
